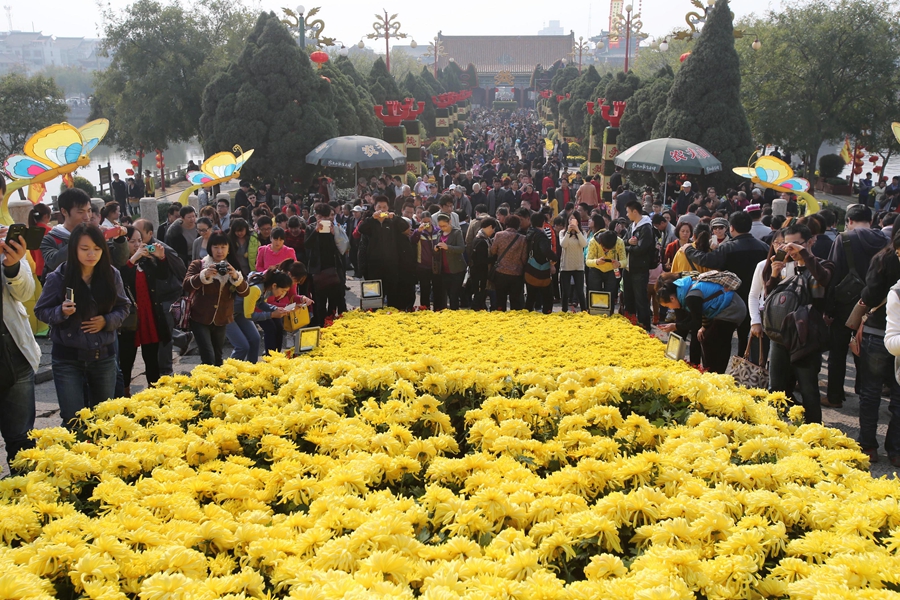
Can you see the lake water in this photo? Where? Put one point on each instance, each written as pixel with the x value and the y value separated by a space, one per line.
pixel 176 156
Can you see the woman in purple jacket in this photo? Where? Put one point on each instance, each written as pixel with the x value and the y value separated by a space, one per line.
pixel 84 303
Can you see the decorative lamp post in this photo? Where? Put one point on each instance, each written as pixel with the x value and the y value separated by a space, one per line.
pixel 631 25
pixel 695 21
pixel 386 27
pixel 580 47
pixel 307 26
pixel 436 48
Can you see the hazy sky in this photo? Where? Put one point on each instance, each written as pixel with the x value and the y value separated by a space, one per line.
pixel 349 20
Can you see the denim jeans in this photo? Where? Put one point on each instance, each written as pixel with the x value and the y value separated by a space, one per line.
pixel 572 291
pixel 782 374
pixel 17 404
pixel 70 377
pixel 451 284
pixel 244 337
pixel 876 368
pixel 210 341
pixel 839 342
pixel 637 300
pixel 273 330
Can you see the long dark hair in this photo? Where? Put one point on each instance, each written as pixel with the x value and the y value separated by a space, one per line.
pixel 102 291
pixel 884 255
pixel 767 268
pixel 665 286
pixel 37 214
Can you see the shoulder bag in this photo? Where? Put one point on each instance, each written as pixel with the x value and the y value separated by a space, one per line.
pixel 492 272
pixel 746 372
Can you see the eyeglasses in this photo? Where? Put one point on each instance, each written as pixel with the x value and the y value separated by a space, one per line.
pixel 202 231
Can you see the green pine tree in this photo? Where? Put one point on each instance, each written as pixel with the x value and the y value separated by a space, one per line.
pixel 472 73
pixel 353 105
pixel 449 78
pixel 643 107
pixel 433 84
pixel 574 108
pixel 382 84
pixel 415 87
pixel 704 104
pixel 271 100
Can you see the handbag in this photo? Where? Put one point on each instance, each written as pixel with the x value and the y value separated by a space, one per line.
pixel 130 323
pixel 747 373
pixel 856 339
pixel 492 272
pixel 181 312
pixel 296 319
pixel 326 278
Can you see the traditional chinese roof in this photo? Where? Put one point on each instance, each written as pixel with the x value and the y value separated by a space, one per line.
pixel 518 54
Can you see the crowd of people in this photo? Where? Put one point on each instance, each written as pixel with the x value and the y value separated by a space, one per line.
pixel 500 222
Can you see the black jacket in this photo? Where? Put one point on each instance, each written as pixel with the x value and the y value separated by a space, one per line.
pixel 382 246
pixel 120 191
pixel 883 273
pixel 157 272
pixel 865 243
pixel 640 256
pixel 740 255
pixel 314 258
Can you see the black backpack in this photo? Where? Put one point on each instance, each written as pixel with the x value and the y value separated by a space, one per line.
pixel 789 296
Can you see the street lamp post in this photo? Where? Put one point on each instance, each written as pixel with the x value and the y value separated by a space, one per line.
pixel 436 48
pixel 631 25
pixel 387 27
pixel 580 47
pixel 306 24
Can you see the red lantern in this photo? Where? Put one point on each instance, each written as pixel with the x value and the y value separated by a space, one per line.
pixel 685 56
pixel 876 169
pixel 134 163
pixel 129 172
pixel 319 58
pixel 857 170
pixel 873 159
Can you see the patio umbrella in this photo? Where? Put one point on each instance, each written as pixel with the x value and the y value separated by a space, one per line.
pixel 355 152
pixel 669 155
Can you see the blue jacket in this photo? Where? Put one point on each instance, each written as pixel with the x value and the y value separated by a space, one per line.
pixel 66 331
pixel 711 308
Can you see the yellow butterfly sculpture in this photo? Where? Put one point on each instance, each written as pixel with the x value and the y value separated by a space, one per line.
pixel 215 170
pixel 53 152
pixel 896 128
pixel 773 173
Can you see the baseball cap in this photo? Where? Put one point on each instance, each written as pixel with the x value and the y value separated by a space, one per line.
pixel 686 184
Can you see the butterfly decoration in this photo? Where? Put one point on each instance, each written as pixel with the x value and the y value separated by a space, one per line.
pixel 215 170
pixel 896 128
pixel 55 151
pixel 774 173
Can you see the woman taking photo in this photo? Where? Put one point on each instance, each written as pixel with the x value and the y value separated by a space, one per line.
pixel 213 283
pixel 84 303
pixel 449 252
pixel 149 329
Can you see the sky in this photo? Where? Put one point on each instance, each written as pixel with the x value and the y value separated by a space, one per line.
pixel 349 20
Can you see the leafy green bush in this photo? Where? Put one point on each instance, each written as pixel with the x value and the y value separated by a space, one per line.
pixel 82 184
pixel 831 166
pixel 575 149
pixel 835 181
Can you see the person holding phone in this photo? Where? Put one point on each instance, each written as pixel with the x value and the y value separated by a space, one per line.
pixel 571 264
pixel 20 355
pixel 149 329
pixel 84 303
pixel 39 217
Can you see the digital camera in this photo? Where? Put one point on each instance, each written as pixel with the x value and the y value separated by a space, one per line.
pixel 151 248
pixel 222 267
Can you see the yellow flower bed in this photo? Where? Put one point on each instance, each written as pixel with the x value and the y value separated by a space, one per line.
pixel 520 465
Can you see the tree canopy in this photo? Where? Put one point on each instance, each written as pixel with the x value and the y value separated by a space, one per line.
pixel 643 107
pixel 353 104
pixel 826 69
pixel 27 105
pixel 270 99
pixel 382 84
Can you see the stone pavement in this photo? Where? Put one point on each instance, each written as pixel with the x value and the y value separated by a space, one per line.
pixel 845 419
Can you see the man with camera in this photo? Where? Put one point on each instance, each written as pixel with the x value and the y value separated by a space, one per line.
pixel 19 353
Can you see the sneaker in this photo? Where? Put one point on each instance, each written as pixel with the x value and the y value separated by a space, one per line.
pixel 872 453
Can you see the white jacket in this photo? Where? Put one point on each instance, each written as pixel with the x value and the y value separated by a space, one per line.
pixel 571 251
pixel 17 290
pixel 892 331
